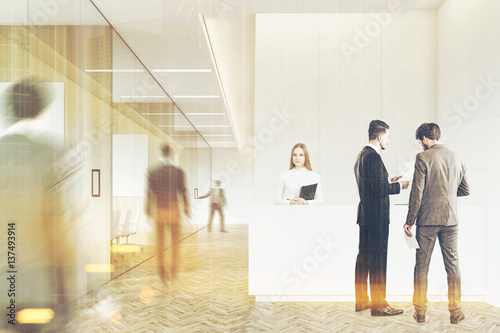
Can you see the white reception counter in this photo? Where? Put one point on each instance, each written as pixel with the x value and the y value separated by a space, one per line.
pixel 308 253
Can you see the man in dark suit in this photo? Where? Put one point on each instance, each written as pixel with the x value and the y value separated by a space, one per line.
pixel 438 179
pixel 373 218
pixel 217 203
pixel 165 182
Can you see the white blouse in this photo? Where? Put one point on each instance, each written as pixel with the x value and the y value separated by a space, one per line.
pixel 290 183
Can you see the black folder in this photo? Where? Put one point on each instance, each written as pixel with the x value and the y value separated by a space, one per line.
pixel 308 192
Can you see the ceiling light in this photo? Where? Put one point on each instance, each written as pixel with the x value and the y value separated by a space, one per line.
pixel 176 126
pixel 114 70
pixel 182 70
pixel 159 114
pixel 205 114
pixel 197 96
pixel 142 96
pixel 205 30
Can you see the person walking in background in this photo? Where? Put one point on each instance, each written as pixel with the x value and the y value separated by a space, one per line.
pixel 217 203
pixel 165 183
pixel 300 174
pixel 438 179
pixel 373 219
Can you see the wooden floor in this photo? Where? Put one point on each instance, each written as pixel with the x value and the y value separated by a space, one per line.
pixel 211 295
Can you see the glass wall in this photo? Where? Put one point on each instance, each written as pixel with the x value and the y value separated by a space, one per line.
pixel 107 116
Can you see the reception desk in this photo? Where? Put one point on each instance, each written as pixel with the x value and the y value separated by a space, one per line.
pixel 308 253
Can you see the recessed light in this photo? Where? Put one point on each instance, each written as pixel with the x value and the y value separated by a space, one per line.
pixel 182 70
pixel 196 96
pixel 205 114
pixel 212 126
pixel 142 96
pixel 159 114
pixel 212 55
pixel 175 126
pixel 114 70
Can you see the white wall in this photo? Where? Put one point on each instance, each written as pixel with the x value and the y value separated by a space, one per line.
pixel 469 111
pixel 320 79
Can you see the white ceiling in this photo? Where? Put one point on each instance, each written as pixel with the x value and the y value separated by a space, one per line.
pixel 169 35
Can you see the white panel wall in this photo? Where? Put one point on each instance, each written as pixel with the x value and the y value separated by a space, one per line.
pixel 324 77
pixel 286 96
pixel 469 112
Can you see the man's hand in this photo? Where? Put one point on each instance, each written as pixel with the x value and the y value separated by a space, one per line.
pixel 405 184
pixel 395 179
pixel 407 229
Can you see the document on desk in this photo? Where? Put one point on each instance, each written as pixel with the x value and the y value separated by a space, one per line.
pixel 411 241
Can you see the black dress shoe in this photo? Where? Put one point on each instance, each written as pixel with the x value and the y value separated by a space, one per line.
pixel 387 311
pixel 420 318
pixel 364 306
pixel 457 318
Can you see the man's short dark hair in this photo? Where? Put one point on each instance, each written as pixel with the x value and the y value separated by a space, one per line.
pixel 376 128
pixel 165 149
pixel 429 130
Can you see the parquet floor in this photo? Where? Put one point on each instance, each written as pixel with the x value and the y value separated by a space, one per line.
pixel 211 295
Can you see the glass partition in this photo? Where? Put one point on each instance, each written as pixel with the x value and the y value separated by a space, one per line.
pixel 143 119
pixel 107 116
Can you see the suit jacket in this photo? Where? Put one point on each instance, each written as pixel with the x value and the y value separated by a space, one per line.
pixel 222 197
pixel 165 182
pixel 438 179
pixel 373 187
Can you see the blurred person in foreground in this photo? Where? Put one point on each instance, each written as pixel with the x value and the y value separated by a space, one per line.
pixel 438 179
pixel 217 203
pixel 165 183
pixel 374 187
pixel 39 280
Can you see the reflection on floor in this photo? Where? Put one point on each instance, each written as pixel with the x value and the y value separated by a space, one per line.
pixel 211 295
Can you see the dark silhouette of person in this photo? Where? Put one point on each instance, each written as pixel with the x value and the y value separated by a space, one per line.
pixel 374 189
pixel 165 183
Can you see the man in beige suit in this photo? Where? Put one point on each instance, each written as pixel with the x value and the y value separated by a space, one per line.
pixel 438 179
pixel 217 203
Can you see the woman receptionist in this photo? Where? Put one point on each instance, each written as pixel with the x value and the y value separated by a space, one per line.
pixel 300 174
